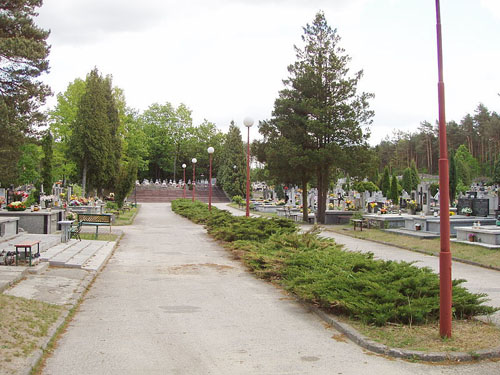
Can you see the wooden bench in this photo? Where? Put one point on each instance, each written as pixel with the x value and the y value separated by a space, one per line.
pixel 96 220
pixel 26 246
pixel 357 223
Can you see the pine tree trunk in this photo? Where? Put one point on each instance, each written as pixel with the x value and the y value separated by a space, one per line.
pixel 322 193
pixel 305 211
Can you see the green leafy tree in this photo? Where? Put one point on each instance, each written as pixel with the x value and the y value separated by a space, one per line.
pixel 385 184
pixel 407 180
pixel 467 166
pixel 46 163
pixel 415 179
pixel 232 170
pixel 95 143
pixel 125 182
pixel 453 178
pixel 319 112
pixel 29 164
pixel 496 174
pixel 394 192
pixel 23 59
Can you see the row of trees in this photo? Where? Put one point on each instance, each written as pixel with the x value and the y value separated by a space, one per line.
pixel 478 132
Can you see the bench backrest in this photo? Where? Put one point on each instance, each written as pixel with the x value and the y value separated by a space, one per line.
pixel 95 218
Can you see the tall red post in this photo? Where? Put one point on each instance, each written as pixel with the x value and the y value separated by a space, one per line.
pixel 184 192
pixel 445 285
pixel 210 185
pixel 248 174
pixel 194 176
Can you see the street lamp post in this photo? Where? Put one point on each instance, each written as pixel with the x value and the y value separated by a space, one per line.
pixel 194 176
pixel 445 291
pixel 248 122
pixel 184 190
pixel 210 151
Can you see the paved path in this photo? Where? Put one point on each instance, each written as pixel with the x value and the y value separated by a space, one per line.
pixel 172 301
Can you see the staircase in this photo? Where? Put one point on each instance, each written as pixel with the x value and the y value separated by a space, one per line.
pixel 162 194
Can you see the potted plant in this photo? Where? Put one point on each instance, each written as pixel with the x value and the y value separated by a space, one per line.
pixel 467 211
pixel 472 237
pixel 412 206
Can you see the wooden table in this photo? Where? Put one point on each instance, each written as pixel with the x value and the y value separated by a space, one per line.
pixel 26 246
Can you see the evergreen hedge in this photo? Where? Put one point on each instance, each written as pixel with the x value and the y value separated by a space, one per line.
pixel 319 271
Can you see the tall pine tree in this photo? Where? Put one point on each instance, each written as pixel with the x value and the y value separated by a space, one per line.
pixel 23 58
pixel 319 111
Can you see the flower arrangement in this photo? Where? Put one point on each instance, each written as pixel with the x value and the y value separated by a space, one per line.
pixel 331 206
pixel 16 206
pixel 411 204
pixel 383 210
pixel 281 202
pixel 472 237
pixel 466 211
pixel 452 213
pixel 2 200
pixel 373 204
pixel 20 196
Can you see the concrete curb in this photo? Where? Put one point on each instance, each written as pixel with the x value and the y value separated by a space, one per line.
pixel 378 348
pixel 38 355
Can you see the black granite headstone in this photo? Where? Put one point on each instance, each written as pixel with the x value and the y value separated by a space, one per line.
pixel 480 207
pixel 463 203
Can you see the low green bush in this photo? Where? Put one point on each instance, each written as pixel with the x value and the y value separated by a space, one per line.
pixel 319 271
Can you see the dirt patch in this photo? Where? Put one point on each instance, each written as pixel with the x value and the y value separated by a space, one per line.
pixel 197 268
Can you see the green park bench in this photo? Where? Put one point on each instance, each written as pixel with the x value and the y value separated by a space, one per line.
pixel 97 220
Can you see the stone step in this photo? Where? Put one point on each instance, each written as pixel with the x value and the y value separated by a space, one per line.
pixel 83 256
pixel 64 256
pixel 96 262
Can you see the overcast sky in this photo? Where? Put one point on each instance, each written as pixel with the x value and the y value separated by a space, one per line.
pixel 225 59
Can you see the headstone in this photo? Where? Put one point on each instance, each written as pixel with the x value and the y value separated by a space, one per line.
pixel 480 207
pixel 463 203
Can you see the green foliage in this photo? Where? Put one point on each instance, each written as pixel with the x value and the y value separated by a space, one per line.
pixel 95 143
pixel 415 179
pixel 29 164
pixel 394 192
pixel 385 184
pixel 125 182
pixel 238 199
pixel 355 284
pixel 407 180
pixel 223 226
pixel 46 163
pixel 434 187
pixel 232 170
pixel 319 271
pixel 319 117
pixel 453 178
pixel 467 166
pixel 496 173
pixel 363 186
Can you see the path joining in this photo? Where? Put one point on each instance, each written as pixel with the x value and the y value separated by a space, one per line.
pixel 173 301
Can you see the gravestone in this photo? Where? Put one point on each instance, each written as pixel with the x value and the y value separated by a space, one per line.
pixel 463 203
pixel 480 207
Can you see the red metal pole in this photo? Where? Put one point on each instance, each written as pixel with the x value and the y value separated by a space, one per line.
pixel 445 285
pixel 194 184
pixel 210 185
pixel 184 192
pixel 248 174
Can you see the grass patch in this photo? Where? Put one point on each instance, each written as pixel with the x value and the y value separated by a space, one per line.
pixel 474 253
pixel 101 237
pixel 23 325
pixel 126 217
pixel 468 336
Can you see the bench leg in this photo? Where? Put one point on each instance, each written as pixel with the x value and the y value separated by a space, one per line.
pixel 96 231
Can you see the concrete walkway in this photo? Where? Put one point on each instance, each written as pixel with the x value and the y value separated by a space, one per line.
pixel 173 301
